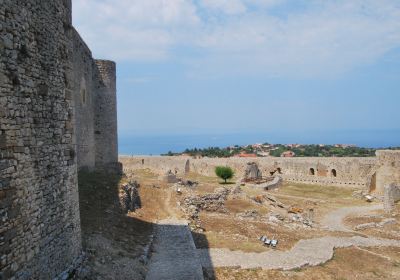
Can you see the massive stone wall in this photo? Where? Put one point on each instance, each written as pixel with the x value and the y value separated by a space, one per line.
pixel 54 98
pixel 371 174
pixel 106 138
pixel 326 171
pixel 39 211
pixel 95 108
pixel 84 90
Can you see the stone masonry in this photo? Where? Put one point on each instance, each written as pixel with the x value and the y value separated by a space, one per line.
pixel 371 174
pixel 50 89
pixel 391 196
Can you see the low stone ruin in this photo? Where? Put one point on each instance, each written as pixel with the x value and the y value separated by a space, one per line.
pixel 129 197
pixel 213 202
pixel 381 224
pixel 252 172
pixel 187 183
pixel 391 196
pixel 170 178
pixel 249 214
pixel 287 215
pixel 270 183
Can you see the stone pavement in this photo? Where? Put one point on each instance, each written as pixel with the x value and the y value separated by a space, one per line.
pixel 174 254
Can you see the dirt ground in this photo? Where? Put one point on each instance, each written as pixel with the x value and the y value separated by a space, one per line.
pixel 116 242
pixel 349 263
pixel 236 233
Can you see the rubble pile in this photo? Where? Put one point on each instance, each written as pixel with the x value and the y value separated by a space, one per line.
pixel 249 214
pixel 187 183
pixel 213 202
pixel 389 221
pixel 129 197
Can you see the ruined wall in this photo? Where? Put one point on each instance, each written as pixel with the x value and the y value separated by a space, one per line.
pixel 354 172
pixel 388 169
pixel 39 211
pixel 391 196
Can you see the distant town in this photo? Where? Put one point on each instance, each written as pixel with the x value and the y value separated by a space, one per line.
pixel 281 150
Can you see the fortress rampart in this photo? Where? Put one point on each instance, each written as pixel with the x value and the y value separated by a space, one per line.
pixel 57 113
pixel 367 173
pixel 94 92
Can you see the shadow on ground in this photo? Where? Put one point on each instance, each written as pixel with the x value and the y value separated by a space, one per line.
pixel 118 246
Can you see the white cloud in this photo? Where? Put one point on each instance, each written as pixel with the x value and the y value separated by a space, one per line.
pixel 230 7
pixel 324 37
pixel 133 29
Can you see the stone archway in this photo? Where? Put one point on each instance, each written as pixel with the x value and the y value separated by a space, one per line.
pixel 333 173
pixel 311 172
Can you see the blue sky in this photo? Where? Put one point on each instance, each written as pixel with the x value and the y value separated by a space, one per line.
pixel 250 66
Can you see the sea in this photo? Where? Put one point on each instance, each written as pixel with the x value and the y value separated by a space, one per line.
pixel 156 144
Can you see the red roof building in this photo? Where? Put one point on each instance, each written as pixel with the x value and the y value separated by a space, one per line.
pixel 243 155
pixel 288 154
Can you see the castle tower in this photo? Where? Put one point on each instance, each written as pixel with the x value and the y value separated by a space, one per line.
pixel 105 116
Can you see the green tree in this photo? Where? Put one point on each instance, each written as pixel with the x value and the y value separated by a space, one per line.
pixel 224 172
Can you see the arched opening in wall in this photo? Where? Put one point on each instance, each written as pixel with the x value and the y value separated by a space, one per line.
pixel 311 172
pixel 333 173
pixel 279 170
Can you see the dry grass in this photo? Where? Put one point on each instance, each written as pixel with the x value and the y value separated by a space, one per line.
pixel 317 192
pixel 349 263
pixel 239 205
pixel 229 231
pixel 390 231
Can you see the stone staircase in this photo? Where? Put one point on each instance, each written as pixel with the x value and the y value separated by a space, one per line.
pixel 174 255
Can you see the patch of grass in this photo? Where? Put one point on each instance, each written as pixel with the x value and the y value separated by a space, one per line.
pixel 202 179
pixel 316 191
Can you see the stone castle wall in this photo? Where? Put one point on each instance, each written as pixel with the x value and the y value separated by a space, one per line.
pixel 106 136
pixel 84 91
pixel 356 172
pixel 53 99
pixel 388 169
pixel 39 210
pixel 95 108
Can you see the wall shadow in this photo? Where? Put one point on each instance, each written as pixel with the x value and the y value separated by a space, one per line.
pixel 111 239
pixel 201 242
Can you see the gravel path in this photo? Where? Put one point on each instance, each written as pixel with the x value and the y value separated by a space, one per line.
pixel 174 254
pixel 334 220
pixel 309 252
